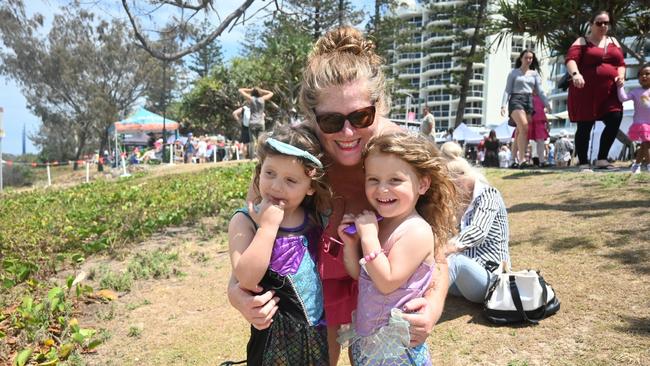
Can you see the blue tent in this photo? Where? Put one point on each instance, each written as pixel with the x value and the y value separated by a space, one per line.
pixel 144 121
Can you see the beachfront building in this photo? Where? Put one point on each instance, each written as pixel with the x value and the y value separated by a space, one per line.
pixel 423 63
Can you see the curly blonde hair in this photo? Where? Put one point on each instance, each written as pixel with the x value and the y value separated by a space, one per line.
pixel 302 137
pixel 439 203
pixel 341 56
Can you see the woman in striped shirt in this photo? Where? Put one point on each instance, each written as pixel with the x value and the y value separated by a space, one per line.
pixel 483 235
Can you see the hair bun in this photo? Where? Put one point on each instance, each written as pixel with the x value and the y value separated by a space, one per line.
pixel 344 39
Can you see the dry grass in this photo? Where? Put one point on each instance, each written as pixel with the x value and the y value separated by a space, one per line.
pixel 587 233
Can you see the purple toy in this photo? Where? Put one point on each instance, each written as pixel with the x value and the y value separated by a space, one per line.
pixel 352 229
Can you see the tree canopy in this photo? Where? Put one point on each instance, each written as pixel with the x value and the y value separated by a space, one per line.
pixel 80 77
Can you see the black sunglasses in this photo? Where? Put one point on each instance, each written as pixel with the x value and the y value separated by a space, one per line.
pixel 601 24
pixel 334 122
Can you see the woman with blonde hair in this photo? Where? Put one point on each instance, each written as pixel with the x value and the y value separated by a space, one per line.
pixel 484 233
pixel 343 98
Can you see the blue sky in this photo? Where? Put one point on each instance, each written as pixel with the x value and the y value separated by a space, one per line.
pixel 16 113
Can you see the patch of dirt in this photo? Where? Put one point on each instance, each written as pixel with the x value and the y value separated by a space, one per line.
pixel 588 234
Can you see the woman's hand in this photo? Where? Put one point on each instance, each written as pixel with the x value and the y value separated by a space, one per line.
pixel 256 309
pixel 347 238
pixel 503 111
pixel 578 81
pixel 450 248
pixel 421 318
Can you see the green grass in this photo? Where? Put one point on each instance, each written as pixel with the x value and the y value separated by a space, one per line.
pixel 41 231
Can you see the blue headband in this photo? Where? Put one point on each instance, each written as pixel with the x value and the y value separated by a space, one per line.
pixel 287 149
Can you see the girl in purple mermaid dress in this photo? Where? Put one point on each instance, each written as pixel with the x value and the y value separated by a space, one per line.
pixel 394 259
pixel 273 246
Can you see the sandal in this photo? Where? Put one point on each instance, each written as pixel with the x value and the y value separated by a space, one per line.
pixel 584 168
pixel 514 166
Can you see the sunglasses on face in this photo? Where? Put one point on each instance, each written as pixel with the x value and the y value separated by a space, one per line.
pixel 334 122
pixel 602 24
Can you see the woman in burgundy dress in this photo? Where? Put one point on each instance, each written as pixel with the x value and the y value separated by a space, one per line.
pixel 595 62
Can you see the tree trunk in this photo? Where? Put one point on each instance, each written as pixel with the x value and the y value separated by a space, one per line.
pixel 80 147
pixel 469 65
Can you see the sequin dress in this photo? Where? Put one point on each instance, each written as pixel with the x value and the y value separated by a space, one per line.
pixel 297 335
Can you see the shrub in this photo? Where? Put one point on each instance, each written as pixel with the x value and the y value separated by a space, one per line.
pixel 17 176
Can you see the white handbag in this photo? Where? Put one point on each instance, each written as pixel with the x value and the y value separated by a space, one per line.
pixel 522 296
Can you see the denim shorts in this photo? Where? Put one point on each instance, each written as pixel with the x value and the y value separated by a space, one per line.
pixel 521 101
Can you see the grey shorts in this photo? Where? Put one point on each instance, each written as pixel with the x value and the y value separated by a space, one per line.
pixel 521 101
pixel 255 131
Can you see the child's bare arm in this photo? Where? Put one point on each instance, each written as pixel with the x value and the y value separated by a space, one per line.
pixel 390 272
pixel 250 250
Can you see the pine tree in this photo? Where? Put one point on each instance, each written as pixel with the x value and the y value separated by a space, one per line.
pixel 205 59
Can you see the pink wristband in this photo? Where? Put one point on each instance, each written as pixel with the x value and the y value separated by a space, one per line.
pixel 370 256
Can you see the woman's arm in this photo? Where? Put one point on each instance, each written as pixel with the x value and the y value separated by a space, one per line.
pixel 485 211
pixel 265 94
pixel 258 310
pixel 246 92
pixel 423 313
pixel 508 90
pixel 237 113
pixel 574 54
pixel 540 91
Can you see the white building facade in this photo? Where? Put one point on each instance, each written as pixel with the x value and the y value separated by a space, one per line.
pixel 424 62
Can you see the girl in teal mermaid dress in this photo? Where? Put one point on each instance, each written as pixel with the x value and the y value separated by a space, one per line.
pixel 273 246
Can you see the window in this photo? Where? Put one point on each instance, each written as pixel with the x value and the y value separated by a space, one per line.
pixel 440 110
pixel 517 45
pixel 475 91
pixel 411 69
pixel 438 96
pixel 415 21
pixel 439 64
pixel 474 108
pixel 442 47
pixel 409 55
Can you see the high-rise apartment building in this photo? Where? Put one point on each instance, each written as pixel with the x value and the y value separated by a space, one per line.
pixel 424 61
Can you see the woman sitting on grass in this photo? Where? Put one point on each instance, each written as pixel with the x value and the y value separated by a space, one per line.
pixel 483 236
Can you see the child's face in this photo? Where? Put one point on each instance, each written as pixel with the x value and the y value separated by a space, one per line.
pixel 283 178
pixel 644 77
pixel 392 186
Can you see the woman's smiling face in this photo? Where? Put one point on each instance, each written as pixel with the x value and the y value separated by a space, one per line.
pixel 345 146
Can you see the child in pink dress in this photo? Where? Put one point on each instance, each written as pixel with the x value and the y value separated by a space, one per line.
pixel 640 128
pixel 537 131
